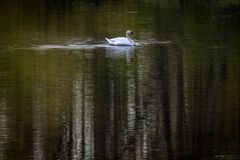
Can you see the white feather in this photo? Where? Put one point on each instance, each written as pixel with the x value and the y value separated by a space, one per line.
pixel 121 41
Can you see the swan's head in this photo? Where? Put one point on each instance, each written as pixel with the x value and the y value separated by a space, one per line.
pixel 129 33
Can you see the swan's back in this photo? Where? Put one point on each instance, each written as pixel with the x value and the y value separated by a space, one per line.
pixel 120 41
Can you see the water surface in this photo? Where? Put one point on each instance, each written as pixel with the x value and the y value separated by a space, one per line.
pixel 66 94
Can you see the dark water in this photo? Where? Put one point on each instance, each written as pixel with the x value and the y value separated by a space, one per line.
pixel 65 94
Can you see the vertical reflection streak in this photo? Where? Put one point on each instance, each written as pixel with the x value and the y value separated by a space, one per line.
pixel 38 114
pixel 142 138
pixel 3 127
pixel 82 119
pixel 88 116
pixel 131 111
pixel 38 123
pixel 110 147
pixel 77 123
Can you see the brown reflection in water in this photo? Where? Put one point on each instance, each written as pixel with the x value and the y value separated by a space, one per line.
pixel 149 104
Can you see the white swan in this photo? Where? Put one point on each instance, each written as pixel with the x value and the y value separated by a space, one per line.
pixel 122 41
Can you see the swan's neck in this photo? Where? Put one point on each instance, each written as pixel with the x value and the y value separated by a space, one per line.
pixel 132 42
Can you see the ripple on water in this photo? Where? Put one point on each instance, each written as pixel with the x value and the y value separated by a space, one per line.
pixel 84 46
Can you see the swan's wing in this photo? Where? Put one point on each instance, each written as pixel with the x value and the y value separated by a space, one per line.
pixel 109 41
pixel 119 41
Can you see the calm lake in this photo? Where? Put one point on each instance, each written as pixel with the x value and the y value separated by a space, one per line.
pixel 66 94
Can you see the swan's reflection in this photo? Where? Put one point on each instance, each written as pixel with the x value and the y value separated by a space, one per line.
pixel 119 51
